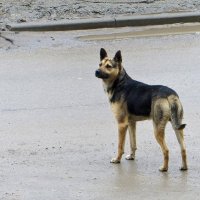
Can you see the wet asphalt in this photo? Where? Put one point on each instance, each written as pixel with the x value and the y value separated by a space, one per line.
pixel 57 130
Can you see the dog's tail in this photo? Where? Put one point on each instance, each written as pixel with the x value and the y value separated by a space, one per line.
pixel 176 112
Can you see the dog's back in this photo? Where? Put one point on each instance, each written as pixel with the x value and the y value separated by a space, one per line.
pixel 141 99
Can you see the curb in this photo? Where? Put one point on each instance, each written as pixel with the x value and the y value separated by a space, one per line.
pixel 94 23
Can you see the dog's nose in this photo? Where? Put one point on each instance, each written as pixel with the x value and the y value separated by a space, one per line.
pixel 97 73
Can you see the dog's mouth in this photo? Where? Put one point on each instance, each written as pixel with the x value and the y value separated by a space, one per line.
pixel 100 74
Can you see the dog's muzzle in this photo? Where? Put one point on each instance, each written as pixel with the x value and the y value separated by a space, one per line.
pixel 100 74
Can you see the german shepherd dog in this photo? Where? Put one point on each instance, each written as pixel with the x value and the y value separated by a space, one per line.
pixel 133 101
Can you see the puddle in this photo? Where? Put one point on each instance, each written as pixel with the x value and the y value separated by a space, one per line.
pixel 147 32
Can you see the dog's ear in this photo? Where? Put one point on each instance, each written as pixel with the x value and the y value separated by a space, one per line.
pixel 118 57
pixel 103 54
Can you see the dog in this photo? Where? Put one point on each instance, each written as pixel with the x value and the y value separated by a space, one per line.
pixel 132 101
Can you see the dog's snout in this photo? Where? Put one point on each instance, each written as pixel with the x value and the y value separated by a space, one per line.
pixel 97 73
pixel 100 74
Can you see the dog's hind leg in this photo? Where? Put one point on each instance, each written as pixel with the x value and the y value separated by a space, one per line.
pixel 176 121
pixel 180 138
pixel 161 115
pixel 122 128
pixel 159 132
pixel 133 146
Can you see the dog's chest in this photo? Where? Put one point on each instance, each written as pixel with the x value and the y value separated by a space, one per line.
pixel 119 110
pixel 108 92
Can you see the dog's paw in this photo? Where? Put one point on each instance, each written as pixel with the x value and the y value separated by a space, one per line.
pixel 163 169
pixel 183 168
pixel 115 161
pixel 130 157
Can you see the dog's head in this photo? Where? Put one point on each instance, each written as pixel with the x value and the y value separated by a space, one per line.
pixel 109 69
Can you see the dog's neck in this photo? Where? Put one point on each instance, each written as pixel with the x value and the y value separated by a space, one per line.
pixel 108 85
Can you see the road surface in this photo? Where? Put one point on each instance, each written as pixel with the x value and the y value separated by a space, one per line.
pixel 58 133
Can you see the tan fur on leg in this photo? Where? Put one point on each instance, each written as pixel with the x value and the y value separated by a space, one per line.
pixel 133 146
pixel 122 128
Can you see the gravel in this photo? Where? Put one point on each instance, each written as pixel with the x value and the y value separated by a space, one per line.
pixel 20 11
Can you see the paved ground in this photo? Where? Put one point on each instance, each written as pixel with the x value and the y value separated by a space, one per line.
pixel 58 134
pixel 40 10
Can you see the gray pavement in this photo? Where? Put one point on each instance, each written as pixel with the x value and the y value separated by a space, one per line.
pixel 57 131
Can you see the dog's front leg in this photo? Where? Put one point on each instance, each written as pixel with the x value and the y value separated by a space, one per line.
pixel 133 146
pixel 122 128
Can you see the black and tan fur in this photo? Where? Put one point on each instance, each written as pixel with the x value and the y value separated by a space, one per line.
pixel 133 101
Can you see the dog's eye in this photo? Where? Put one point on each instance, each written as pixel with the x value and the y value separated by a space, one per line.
pixel 108 66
